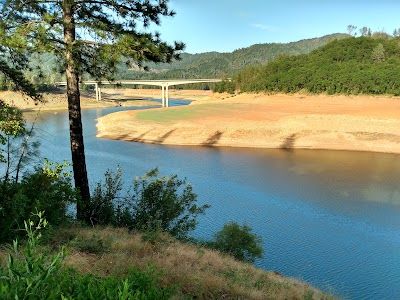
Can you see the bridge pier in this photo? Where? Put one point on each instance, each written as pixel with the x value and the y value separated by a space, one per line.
pixel 99 91
pixel 96 89
pixel 162 96
pixel 166 96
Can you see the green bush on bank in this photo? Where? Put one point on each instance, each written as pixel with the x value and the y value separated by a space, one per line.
pixel 157 204
pixel 238 241
pixel 226 86
pixel 47 189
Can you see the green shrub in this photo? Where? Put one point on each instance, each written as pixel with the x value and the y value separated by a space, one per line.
pixel 164 203
pixel 226 86
pixel 156 204
pixel 102 207
pixel 31 274
pixel 47 189
pixel 94 244
pixel 238 241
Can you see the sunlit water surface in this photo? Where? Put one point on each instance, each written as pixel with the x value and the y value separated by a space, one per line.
pixel 330 218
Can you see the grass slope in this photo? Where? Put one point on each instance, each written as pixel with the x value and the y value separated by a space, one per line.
pixel 195 272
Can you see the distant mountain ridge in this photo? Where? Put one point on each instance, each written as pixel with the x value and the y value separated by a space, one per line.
pixel 45 69
pixel 217 64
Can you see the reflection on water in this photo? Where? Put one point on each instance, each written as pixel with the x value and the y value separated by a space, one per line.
pixel 331 218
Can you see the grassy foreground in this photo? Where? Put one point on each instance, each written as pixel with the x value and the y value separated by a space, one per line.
pixel 192 271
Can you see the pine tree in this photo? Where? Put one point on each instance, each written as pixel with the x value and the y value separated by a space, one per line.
pixel 88 37
pixel 378 53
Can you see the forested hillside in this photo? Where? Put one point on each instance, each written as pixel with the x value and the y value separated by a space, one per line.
pixel 215 64
pixel 211 64
pixel 363 65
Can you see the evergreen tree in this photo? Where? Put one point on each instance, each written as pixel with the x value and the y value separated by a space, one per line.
pixel 88 37
pixel 378 53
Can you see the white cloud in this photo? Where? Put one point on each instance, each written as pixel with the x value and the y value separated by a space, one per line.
pixel 264 27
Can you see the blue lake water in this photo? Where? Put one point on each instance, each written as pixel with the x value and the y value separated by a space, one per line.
pixel 331 218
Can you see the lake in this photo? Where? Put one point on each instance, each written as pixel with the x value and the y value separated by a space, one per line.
pixel 331 218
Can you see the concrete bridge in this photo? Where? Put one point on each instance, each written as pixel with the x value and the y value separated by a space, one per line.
pixel 164 84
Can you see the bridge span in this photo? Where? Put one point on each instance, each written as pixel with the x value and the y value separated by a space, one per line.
pixel 164 84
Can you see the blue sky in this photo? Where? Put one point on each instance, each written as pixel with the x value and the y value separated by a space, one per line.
pixel 226 25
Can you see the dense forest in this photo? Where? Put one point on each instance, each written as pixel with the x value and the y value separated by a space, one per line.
pixel 355 65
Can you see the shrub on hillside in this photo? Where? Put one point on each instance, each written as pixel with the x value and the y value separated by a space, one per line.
pixel 156 204
pixel 47 189
pixel 164 203
pixel 102 207
pixel 225 86
pixel 238 241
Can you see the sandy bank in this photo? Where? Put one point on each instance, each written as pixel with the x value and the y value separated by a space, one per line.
pixel 362 123
pixel 110 97
pixel 58 101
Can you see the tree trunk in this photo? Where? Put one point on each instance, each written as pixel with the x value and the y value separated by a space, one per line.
pixel 74 110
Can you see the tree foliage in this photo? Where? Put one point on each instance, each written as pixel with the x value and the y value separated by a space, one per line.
pixel 363 65
pixel 164 203
pixel 14 58
pixel 18 146
pixel 378 53
pixel 12 124
pixel 88 37
pixel 107 31
pixel 156 204
pixel 47 189
pixel 238 241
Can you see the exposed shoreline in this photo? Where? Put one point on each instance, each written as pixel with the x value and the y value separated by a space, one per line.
pixel 354 123
pixel 110 98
